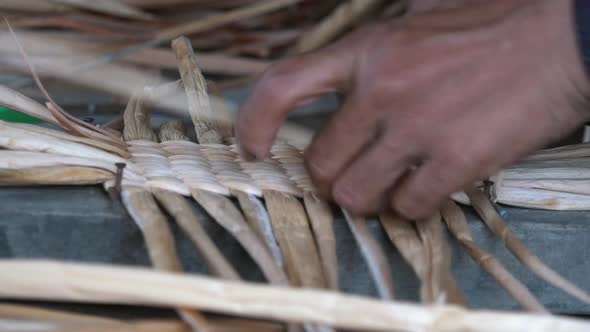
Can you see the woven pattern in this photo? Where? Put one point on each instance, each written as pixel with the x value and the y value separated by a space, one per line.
pixel 181 166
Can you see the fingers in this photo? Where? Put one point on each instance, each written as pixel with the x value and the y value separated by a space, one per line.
pixel 423 190
pixel 282 87
pixel 338 143
pixel 364 187
pixel 467 149
pixel 454 163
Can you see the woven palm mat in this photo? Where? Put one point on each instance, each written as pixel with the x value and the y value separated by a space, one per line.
pixel 276 215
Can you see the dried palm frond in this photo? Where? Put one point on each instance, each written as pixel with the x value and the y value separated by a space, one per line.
pixel 18 317
pixel 373 254
pixel 554 179
pixel 404 235
pixel 120 285
pixel 232 33
pixel 341 19
pixel 145 212
pixel 109 7
pixel 219 206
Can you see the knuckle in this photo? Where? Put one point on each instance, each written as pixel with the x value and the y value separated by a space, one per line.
pixel 458 166
pixel 403 35
pixel 398 83
pixel 400 144
pixel 276 78
pixel 411 202
pixel 346 196
pixel 351 205
pixel 271 88
pixel 411 206
pixel 405 207
pixel 320 174
pixel 281 67
pixel 457 159
pixel 392 145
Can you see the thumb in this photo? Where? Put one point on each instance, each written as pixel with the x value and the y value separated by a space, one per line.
pixel 281 88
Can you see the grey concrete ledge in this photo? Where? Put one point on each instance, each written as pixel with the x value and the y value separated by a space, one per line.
pixel 82 224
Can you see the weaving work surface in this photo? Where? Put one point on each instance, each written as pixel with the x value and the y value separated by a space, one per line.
pixel 181 166
pixel 279 221
pixel 49 230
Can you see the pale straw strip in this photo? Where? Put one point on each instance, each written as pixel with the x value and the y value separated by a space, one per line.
pixel 549 170
pixel 24 312
pixel 66 121
pixel 54 175
pixel 249 11
pixel 564 152
pixel 59 320
pixel 34 6
pixel 109 7
pixel 149 325
pixel 542 199
pixel 22 137
pixel 120 285
pixel 14 160
pixel 345 16
pixel 19 102
pixel 578 186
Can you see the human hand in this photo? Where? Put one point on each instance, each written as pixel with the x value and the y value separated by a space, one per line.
pixel 433 101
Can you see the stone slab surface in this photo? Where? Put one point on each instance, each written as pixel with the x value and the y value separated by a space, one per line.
pixel 82 224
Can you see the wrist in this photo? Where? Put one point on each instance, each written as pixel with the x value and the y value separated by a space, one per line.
pixel 581 15
pixel 562 24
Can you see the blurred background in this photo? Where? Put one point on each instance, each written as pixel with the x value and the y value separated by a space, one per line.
pixel 91 55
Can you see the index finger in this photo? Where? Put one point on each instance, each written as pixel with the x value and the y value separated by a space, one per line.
pixel 281 88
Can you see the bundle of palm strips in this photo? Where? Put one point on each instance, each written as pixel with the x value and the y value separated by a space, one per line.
pixel 237 39
pixel 276 216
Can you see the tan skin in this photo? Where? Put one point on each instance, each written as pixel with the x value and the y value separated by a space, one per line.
pixel 432 102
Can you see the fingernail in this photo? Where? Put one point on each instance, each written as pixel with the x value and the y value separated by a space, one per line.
pixel 246 155
pixel 404 208
pixel 346 197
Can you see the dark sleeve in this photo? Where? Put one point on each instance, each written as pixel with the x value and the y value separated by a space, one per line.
pixel 582 22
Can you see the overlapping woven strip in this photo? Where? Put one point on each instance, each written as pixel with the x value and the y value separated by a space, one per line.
pixel 180 166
